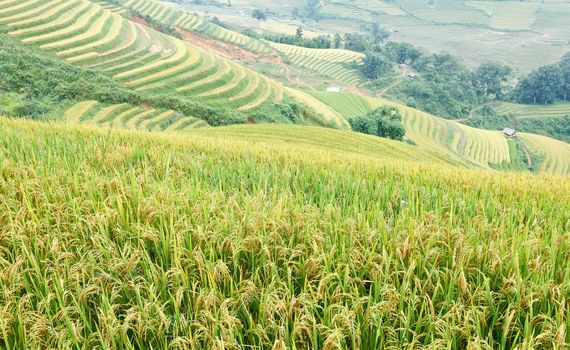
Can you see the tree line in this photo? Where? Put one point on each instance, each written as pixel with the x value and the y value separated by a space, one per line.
pixel 546 84
pixel 445 86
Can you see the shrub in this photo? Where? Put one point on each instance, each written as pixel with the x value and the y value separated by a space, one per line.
pixel 383 122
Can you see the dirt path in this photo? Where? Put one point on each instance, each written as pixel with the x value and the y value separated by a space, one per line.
pixel 296 81
pixel 473 111
pixel 398 81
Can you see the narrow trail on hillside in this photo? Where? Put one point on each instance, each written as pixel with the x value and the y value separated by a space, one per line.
pixel 296 81
pixel 394 84
pixel 475 110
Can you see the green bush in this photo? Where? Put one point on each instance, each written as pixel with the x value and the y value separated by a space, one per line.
pixel 383 122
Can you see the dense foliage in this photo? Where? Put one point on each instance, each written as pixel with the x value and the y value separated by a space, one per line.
pixel 384 122
pixel 546 84
pixel 443 86
pixel 440 84
pixel 319 42
pixel 259 14
pixel 375 65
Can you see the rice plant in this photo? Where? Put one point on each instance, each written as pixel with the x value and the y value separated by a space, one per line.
pixel 272 237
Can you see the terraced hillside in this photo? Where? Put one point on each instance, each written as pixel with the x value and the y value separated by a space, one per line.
pixel 169 15
pixel 124 116
pixel 332 63
pixel 87 34
pixel 555 154
pixel 476 147
pixel 532 111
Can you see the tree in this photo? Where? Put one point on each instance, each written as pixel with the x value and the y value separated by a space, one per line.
pixel 490 77
pixel 259 15
pixel 541 86
pixel 402 52
pixel 337 40
pixel 374 65
pixel 356 42
pixel 383 122
pixel 565 67
pixel 379 34
pixel 299 33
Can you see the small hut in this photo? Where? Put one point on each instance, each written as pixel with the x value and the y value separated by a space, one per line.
pixel 509 132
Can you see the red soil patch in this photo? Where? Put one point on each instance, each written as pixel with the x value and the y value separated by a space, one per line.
pixel 140 20
pixel 223 49
pixel 227 50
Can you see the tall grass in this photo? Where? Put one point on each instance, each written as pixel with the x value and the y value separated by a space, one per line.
pixel 223 239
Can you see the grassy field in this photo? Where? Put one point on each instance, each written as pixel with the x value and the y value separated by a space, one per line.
pixel 474 147
pixel 272 237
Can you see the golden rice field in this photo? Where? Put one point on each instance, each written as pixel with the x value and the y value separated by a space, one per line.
pixel 555 153
pixel 272 237
pixel 523 111
pixel 88 34
pixel 474 147
pixel 124 116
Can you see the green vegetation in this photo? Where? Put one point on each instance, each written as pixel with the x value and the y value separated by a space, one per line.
pixel 318 42
pixel 150 67
pixel 272 237
pixel 546 84
pixel 383 122
pixel 259 14
pixel 473 147
pixel 376 65
pixel 338 64
pixel 548 120
pixel 437 83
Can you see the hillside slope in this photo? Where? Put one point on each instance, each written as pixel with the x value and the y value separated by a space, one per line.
pixel 331 63
pixel 476 147
pixel 85 33
pixel 128 240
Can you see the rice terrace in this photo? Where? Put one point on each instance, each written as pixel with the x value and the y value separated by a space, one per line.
pixel 299 174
